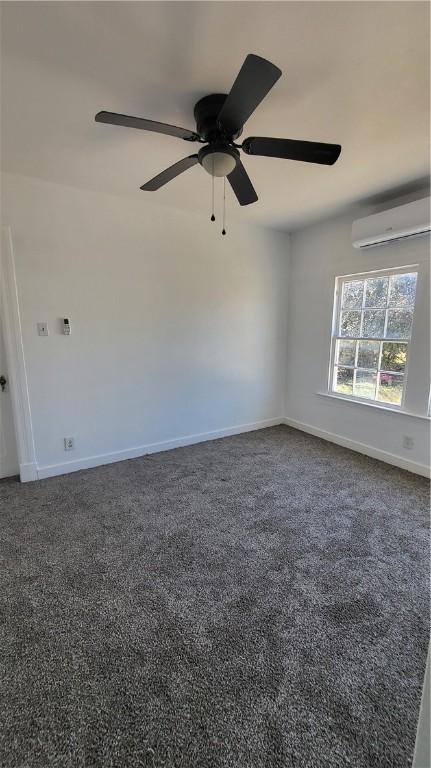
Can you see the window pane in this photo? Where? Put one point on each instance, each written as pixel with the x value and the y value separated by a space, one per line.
pixel 399 323
pixel 393 357
pixel 365 384
pixel 368 354
pixel 376 292
pixel 374 323
pixel 390 388
pixel 402 290
pixel 350 323
pixel 352 294
pixel 343 380
pixel 346 352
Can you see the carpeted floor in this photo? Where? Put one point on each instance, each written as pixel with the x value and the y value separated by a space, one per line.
pixel 257 601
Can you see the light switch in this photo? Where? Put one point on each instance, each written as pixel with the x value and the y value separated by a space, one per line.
pixel 42 329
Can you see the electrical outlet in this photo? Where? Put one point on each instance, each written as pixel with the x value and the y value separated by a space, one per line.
pixel 42 329
pixel 69 443
pixel 408 442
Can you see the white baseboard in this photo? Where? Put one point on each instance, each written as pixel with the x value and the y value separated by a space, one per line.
pixel 354 445
pixel 33 472
pixel 28 472
pixel 133 453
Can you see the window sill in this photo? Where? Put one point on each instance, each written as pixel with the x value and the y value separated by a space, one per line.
pixel 379 407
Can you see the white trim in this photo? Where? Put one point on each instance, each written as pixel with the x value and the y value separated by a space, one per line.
pixel 28 472
pixel 367 450
pixel 422 757
pixel 391 270
pixel 373 404
pixel 336 336
pixel 11 325
pixel 88 462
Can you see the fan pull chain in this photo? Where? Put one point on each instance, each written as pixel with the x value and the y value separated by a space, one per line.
pixel 212 192
pixel 224 206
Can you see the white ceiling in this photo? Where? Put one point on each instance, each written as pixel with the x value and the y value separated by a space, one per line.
pixel 354 73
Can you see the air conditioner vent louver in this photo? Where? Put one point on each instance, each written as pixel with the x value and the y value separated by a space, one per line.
pixel 401 223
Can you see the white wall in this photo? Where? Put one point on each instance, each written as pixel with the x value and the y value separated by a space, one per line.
pixel 318 254
pixel 175 329
pixel 178 331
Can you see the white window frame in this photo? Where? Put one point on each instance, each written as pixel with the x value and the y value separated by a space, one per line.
pixel 339 281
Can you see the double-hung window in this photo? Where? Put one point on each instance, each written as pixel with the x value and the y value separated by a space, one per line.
pixel 373 322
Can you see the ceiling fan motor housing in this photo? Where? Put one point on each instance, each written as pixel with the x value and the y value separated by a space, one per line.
pixel 206 114
pixel 220 157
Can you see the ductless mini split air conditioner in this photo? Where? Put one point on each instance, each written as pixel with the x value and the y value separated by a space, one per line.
pixel 400 223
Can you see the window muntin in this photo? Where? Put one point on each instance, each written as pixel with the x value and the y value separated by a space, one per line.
pixel 373 327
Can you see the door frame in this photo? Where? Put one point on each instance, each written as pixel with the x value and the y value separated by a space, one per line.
pixel 11 326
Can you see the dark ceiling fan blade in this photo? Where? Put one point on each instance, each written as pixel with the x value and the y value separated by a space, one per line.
pixel 170 173
pixel 241 185
pixel 255 79
pixel 113 118
pixel 291 149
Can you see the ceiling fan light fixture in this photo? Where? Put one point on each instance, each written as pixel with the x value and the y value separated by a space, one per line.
pixel 219 163
pixel 218 159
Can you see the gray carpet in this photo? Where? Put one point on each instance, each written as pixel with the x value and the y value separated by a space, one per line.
pixel 256 601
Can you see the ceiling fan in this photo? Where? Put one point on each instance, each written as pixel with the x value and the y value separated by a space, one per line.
pixel 219 122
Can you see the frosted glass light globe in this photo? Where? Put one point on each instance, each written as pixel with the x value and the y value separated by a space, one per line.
pixel 218 163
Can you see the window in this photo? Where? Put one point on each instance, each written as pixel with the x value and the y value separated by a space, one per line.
pixel 373 325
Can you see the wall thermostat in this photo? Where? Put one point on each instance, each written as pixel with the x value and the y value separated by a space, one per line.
pixel 66 326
